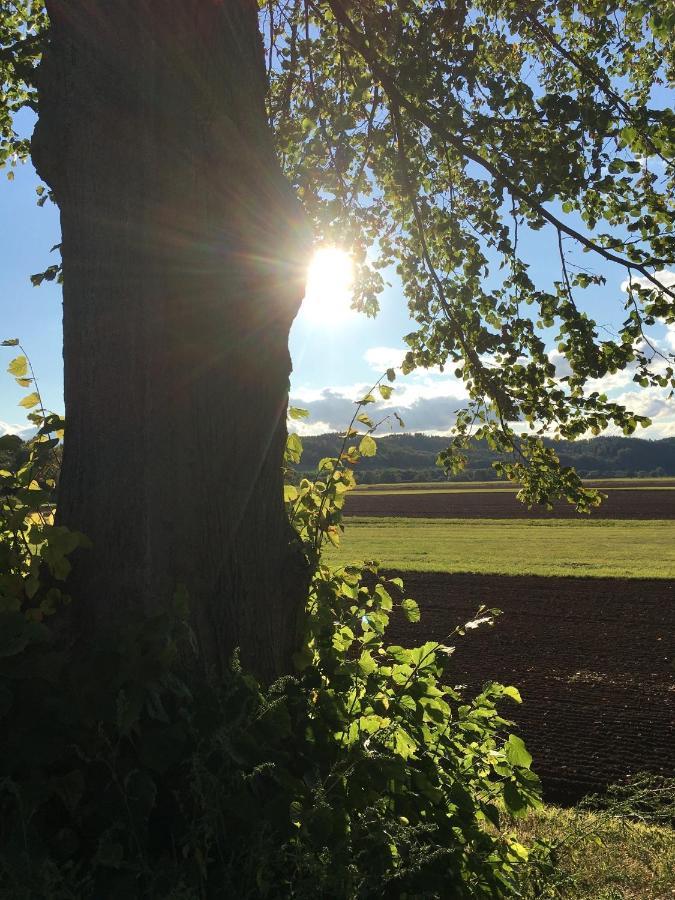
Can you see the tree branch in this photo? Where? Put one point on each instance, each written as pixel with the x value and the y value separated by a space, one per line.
pixel 9 53
pixel 426 118
pixel 597 77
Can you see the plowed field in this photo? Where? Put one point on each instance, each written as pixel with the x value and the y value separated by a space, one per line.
pixel 592 657
pixel 621 503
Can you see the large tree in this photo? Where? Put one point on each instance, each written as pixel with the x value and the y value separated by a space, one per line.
pixel 183 253
pixel 432 133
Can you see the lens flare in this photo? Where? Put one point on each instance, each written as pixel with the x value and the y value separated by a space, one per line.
pixel 330 282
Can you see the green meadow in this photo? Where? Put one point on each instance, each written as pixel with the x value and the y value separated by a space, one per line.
pixel 553 547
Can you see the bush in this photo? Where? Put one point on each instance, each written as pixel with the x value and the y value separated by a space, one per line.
pixel 129 772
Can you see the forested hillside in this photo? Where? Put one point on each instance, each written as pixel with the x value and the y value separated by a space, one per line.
pixel 412 457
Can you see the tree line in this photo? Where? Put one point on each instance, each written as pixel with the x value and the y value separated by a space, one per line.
pixel 412 457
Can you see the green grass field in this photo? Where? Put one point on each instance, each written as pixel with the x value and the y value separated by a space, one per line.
pixel 554 547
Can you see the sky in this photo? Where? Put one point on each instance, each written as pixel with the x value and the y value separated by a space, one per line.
pixel 336 356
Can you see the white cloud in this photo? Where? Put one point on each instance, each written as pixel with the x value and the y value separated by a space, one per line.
pixel 381 358
pixel 561 363
pixel 651 402
pixel 305 427
pixel 670 337
pixel 425 404
pixel 21 430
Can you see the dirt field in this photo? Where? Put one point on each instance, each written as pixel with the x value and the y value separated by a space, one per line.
pixel 611 483
pixel 593 659
pixel 621 503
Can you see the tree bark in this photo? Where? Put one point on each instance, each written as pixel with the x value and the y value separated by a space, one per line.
pixel 183 255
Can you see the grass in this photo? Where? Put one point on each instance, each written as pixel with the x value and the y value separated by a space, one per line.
pixel 602 857
pixel 552 547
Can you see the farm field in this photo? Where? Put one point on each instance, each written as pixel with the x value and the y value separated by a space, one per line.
pixel 487 500
pixel 588 628
pixel 592 658
pixel 554 547
pixel 455 486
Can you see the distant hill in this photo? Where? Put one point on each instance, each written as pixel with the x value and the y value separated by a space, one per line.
pixel 412 457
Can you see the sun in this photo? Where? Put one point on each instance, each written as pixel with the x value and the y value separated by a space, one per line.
pixel 330 285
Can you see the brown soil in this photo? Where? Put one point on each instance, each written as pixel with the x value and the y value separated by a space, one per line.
pixel 499 504
pixel 592 658
pixel 614 484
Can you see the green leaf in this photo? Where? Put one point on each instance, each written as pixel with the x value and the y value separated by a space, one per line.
pixel 411 610
pixel 372 723
pixel 365 420
pixel 366 663
pixel 364 401
pixel 290 493
pixel 514 800
pixel 385 391
pixel 513 693
pixel 294 412
pixel 368 447
pixel 400 655
pixel 293 448
pixel 516 752
pixel 10 342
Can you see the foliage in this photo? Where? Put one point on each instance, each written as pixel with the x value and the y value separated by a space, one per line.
pixel 33 550
pixel 22 28
pixel 431 136
pixel 411 128
pixel 127 772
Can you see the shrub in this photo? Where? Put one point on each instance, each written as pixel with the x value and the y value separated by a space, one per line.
pixel 129 772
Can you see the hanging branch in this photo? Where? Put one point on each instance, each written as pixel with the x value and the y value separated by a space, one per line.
pixel 423 116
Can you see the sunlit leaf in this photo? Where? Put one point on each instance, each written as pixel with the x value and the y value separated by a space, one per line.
pixel 367 446
pixel 30 400
pixel 18 367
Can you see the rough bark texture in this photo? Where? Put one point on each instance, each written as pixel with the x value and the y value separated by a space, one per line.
pixel 182 254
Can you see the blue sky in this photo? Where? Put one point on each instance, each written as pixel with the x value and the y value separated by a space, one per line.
pixel 332 365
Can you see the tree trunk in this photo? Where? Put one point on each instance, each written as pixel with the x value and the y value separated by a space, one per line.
pixel 183 255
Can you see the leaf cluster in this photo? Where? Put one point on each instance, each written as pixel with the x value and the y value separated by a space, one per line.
pixel 34 552
pixel 23 26
pixel 432 137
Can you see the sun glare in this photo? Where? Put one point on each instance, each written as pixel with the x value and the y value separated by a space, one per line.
pixel 330 279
